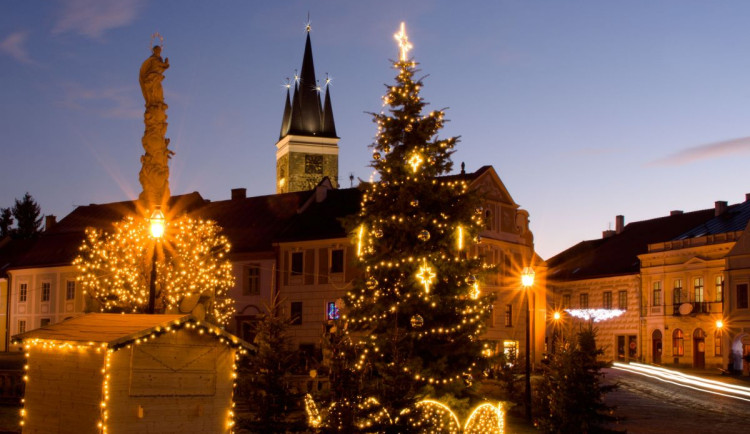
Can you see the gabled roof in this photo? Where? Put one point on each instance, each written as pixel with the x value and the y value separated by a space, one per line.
pixel 323 219
pixel 116 330
pixel 618 254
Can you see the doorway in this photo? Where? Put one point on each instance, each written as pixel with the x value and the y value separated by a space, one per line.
pixel 699 349
pixel 656 346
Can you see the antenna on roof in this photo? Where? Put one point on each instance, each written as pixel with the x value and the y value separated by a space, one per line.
pixel 351 179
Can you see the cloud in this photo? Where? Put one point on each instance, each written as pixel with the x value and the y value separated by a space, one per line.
pixel 14 47
pixel 704 152
pixel 112 103
pixel 94 17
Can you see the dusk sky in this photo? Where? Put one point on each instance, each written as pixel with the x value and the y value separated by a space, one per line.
pixel 586 109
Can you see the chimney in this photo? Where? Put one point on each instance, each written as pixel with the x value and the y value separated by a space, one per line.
pixel 239 193
pixel 49 222
pixel 619 223
pixel 747 197
pixel 608 233
pixel 675 212
pixel 720 207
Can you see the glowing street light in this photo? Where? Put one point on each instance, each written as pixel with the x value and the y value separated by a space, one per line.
pixel 527 281
pixel 157 223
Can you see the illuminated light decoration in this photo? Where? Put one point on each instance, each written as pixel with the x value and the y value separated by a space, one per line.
pixel 556 316
pixel 371 283
pixel 426 275
pixel 403 43
pixel 191 263
pixel 486 419
pixel 595 314
pixel 415 161
pixel 360 235
pixel 689 381
pixel 527 277
pixel 719 324
pixel 424 235
pixel 475 292
pixel 376 155
pixel 432 416
pixel 460 238
pixel 156 223
pixel 313 414
pixel 471 280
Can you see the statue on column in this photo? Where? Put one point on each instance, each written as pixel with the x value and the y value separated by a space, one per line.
pixel 154 175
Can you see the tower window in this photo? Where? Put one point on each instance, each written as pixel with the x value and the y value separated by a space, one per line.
pixel 313 164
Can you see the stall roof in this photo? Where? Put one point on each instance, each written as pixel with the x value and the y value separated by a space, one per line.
pixel 117 330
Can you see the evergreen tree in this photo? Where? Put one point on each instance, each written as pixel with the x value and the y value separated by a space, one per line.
pixel 28 219
pixel 418 308
pixel 571 395
pixel 264 376
pixel 6 221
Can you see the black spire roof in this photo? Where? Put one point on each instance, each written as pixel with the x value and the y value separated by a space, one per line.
pixel 286 121
pixel 307 115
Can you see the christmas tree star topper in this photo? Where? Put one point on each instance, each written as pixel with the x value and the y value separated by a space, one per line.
pixel 403 42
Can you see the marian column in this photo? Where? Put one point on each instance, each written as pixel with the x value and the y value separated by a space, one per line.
pixel 154 175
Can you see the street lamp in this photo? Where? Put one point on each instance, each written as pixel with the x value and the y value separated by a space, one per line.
pixel 157 223
pixel 527 281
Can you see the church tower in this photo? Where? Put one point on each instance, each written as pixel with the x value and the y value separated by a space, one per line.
pixel 307 150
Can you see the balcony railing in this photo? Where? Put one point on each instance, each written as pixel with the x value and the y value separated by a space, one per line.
pixel 696 308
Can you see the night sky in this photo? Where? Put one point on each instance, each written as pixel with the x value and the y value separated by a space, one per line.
pixel 586 109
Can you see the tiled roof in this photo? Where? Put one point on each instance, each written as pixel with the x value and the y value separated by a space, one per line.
pixel 618 254
pixel 735 218
pixel 323 220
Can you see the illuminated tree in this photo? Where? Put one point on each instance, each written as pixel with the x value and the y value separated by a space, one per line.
pixel 419 308
pixel 193 272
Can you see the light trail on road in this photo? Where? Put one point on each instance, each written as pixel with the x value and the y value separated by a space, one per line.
pixel 688 381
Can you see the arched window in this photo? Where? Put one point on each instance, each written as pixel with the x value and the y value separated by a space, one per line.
pixel 678 343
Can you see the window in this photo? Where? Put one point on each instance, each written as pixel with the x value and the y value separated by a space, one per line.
pixel 656 300
pixel 488 219
pixel 21 326
pixel 742 296
pixel 252 280
pixel 717 343
pixel 297 263
pixel 719 288
pixel 337 261
pixel 584 299
pixel 510 349
pixel 332 312
pixel 508 315
pixel 23 289
pixel 45 291
pixel 70 290
pixel 296 311
pixel 45 322
pixel 698 288
pixel 313 164
pixel 607 300
pixel 677 293
pixel 566 301
pixel 678 343
pixel 622 300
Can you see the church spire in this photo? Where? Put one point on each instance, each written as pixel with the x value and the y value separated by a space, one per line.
pixel 286 121
pixel 329 126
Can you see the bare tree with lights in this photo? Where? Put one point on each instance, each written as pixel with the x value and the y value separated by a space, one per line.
pixel 193 271
pixel 419 309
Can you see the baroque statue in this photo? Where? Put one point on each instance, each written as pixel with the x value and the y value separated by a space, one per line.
pixel 154 175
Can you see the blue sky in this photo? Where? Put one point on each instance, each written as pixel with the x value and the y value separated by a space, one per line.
pixel 586 109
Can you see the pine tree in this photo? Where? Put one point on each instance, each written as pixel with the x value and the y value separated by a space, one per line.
pixel 571 395
pixel 264 376
pixel 418 309
pixel 28 220
pixel 6 222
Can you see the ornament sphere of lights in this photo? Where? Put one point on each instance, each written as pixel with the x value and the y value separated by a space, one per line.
pixel 417 321
pixel 414 203
pixel 468 380
pixel 371 283
pixel 376 156
pixel 424 235
pixel 478 210
pixel 386 149
pixel 378 233
pixel 471 280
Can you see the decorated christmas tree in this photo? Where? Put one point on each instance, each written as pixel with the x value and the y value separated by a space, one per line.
pixel 419 310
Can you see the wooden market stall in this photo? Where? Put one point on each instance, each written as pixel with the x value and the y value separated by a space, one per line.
pixel 126 373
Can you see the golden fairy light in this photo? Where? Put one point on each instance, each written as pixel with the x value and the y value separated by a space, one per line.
pixel 426 275
pixel 113 267
pixel 415 161
pixel 403 42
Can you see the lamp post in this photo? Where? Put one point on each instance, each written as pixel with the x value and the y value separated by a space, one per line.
pixel 719 329
pixel 156 221
pixel 527 281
